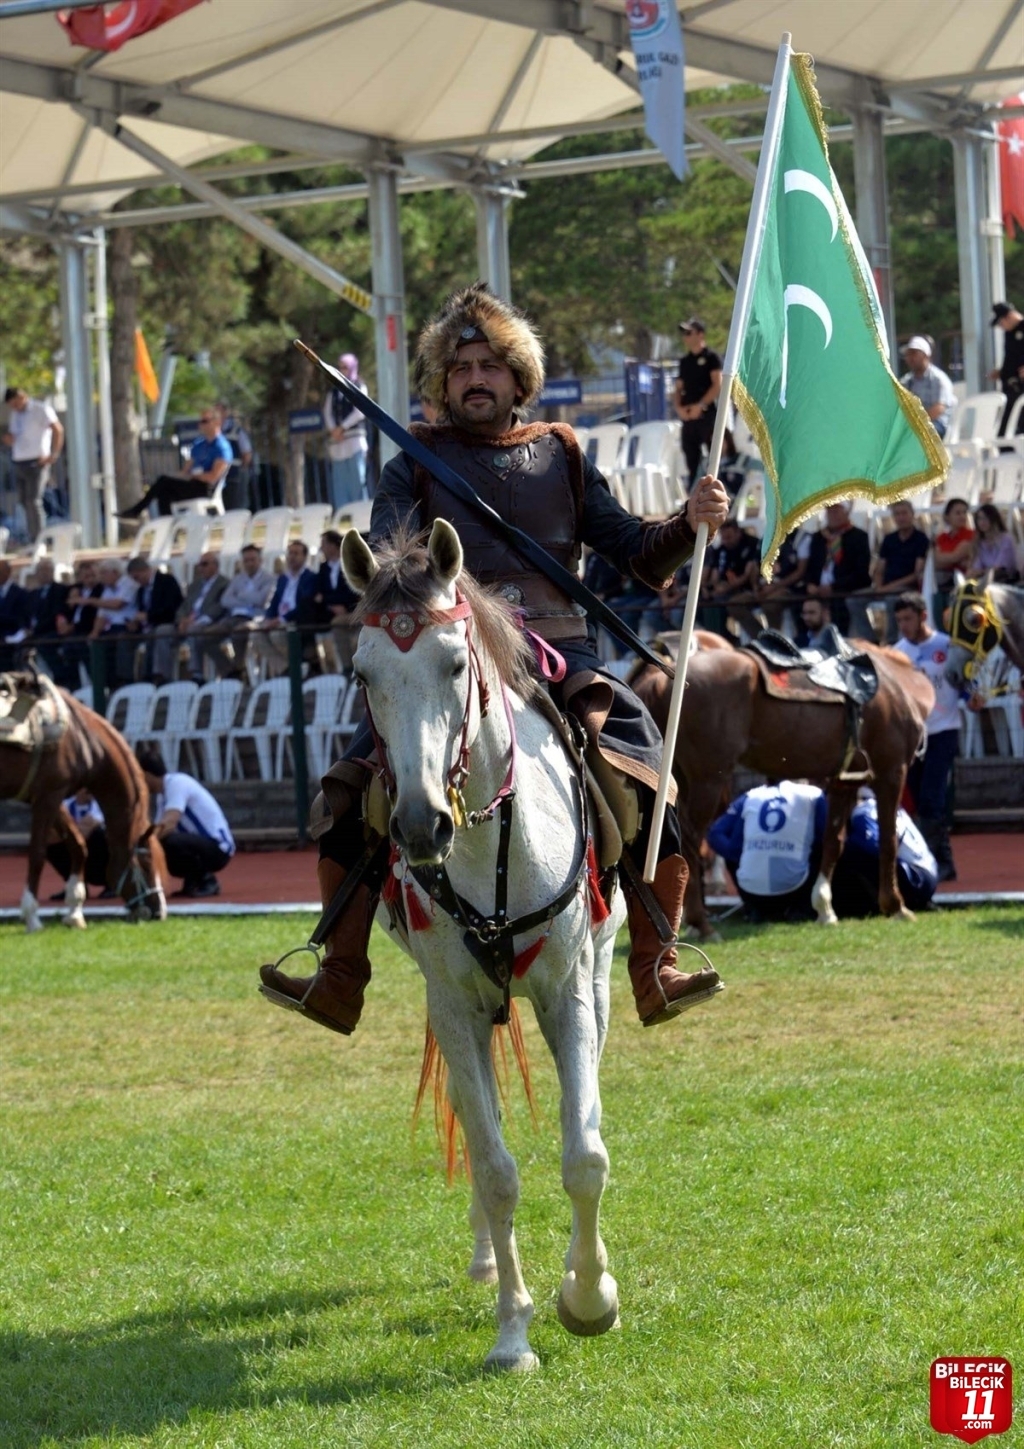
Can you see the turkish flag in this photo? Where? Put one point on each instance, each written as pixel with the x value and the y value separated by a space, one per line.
pixel 107 27
pixel 1011 166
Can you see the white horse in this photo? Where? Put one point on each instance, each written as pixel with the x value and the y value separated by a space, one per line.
pixel 448 688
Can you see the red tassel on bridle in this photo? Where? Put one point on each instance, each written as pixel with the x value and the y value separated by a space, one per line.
pixel 416 917
pixel 598 907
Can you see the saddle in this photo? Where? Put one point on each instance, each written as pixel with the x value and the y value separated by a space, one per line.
pixel 832 674
pixel 34 715
pixel 614 810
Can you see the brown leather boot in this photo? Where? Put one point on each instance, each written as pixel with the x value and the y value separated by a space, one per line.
pixel 660 991
pixel 334 996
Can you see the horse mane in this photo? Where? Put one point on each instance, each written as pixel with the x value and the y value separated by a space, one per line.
pixel 405 578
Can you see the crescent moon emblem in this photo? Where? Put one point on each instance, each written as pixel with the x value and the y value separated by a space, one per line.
pixel 797 296
pixel 814 186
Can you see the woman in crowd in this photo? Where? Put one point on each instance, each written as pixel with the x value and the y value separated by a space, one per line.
pixel 954 543
pixel 993 547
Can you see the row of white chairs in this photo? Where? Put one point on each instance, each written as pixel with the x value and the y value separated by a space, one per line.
pixel 206 728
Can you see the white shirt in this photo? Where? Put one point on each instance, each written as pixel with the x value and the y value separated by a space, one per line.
pixel 200 813
pixel 32 431
pixel 931 656
pixel 246 596
pixel 124 590
pixel 286 603
pixel 351 442
pixel 79 812
pixel 778 835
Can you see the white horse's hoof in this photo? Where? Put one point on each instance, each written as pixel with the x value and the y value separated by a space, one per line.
pixel 483 1269
pixel 33 924
pixel 903 914
pixel 591 1311
pixel 511 1363
pixel 828 918
pixel 76 920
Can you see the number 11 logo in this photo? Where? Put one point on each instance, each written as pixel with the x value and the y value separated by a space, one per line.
pixel 971 1397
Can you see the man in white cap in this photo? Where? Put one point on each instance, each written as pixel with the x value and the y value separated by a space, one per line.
pixel 929 383
pixel 348 444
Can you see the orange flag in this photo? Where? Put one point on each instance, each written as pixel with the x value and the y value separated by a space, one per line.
pixel 144 367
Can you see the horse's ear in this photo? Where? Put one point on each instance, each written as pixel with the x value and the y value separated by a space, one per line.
pixel 357 560
pixel 445 551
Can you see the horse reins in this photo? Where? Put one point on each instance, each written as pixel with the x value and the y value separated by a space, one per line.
pixel 489 939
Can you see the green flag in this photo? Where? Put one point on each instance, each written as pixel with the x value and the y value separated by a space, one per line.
pixel 812 380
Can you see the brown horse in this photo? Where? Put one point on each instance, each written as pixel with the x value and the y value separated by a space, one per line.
pixel 89 753
pixel 728 719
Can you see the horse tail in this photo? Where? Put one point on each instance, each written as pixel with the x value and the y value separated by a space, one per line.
pixel 434 1073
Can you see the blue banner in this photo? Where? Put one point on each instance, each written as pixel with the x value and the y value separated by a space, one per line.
pixel 305 420
pixel 561 392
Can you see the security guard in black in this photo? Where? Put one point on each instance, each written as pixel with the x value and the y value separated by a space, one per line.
pixel 697 387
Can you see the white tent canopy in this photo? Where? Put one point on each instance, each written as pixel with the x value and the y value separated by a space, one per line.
pixel 463 92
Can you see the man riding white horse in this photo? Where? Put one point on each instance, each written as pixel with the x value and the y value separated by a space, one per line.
pixel 480 365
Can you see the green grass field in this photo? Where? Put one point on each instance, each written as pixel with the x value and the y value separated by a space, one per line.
pixel 218 1231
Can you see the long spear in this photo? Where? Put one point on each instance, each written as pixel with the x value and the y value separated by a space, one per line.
pixel 740 317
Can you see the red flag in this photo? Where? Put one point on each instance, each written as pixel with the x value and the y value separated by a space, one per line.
pixel 1011 166
pixel 107 27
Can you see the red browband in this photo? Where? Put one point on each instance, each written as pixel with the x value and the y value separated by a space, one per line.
pixel 404 628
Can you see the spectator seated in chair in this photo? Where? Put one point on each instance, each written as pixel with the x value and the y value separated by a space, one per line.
pixel 202 609
pixel 225 641
pixel 292 603
pixel 334 601
pixel 899 566
pixel 157 603
pixel 839 565
pixel 209 460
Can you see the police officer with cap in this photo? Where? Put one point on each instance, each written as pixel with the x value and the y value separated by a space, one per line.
pixel 1011 374
pixel 697 386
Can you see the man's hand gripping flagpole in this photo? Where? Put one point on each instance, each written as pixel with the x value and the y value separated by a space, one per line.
pixel 741 312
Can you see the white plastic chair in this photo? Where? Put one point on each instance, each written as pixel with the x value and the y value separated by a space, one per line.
pixel 170 716
pixel 604 446
pixel 655 444
pixel 976 423
pixel 5 535
pixel 58 541
pixel 269 529
pixel 322 698
pixel 582 435
pixel 130 709
pixel 353 515
pixel 84 695
pixel 309 522
pixel 187 543
pixel 350 716
pixel 1003 478
pixel 212 506
pixel 214 707
pixel 153 540
pixel 227 536
pixel 266 715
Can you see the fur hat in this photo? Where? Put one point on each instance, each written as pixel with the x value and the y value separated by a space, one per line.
pixel 476 315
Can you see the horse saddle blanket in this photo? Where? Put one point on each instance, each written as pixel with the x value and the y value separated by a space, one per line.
pixel 613 806
pixel 33 713
pixel 829 675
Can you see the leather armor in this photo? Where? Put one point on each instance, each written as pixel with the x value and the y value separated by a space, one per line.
pixel 533 477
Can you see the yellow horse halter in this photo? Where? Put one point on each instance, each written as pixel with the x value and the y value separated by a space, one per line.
pixel 974 625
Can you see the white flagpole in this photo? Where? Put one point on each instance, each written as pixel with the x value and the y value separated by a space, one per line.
pixel 740 316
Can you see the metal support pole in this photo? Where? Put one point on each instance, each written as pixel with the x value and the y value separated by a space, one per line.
pixel 873 212
pixel 295 638
pixel 492 258
pixel 98 664
pixel 79 443
pixel 168 365
pixel 992 224
pixel 101 328
pixel 389 301
pixel 975 285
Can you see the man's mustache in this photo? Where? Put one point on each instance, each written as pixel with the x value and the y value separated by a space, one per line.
pixel 478 392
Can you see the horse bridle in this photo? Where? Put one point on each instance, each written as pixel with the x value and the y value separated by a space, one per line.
pixel 489 939
pixel 133 871
pixel 974 625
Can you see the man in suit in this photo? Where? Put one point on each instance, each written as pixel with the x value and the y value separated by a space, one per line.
pixel 13 614
pixel 840 565
pixel 76 619
pixel 245 598
pixel 334 601
pixel 46 601
pixel 157 603
pixel 202 607
pixel 292 603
